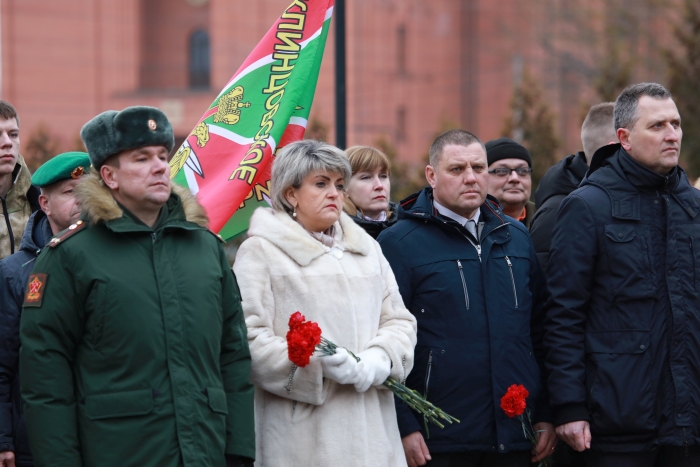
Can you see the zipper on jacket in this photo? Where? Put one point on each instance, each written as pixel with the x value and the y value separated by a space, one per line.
pixel 9 226
pixel 512 280
pixel 477 246
pixel 464 284
pixel 33 259
pixel 427 373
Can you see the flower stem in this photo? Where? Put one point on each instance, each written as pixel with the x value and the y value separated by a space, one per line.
pixel 412 398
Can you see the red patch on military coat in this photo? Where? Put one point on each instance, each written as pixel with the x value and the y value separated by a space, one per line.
pixel 35 290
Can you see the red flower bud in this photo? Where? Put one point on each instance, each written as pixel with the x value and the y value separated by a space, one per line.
pixel 513 402
pixel 296 319
pixel 302 339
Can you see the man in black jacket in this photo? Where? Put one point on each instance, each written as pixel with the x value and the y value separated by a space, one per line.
pixel 597 130
pixel 57 178
pixel 470 276
pixel 624 316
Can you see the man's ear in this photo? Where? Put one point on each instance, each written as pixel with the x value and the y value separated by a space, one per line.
pixel 430 175
pixel 623 134
pixel 44 203
pixel 108 175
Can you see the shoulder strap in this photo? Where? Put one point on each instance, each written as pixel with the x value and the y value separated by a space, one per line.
pixel 221 239
pixel 66 234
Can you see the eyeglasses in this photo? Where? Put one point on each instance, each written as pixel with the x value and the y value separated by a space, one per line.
pixel 505 171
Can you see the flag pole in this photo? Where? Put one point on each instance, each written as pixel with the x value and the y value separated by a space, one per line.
pixel 340 72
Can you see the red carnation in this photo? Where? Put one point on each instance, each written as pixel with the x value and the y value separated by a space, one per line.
pixel 302 339
pixel 295 320
pixel 513 402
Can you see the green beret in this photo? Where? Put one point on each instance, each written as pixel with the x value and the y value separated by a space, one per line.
pixel 112 132
pixel 62 167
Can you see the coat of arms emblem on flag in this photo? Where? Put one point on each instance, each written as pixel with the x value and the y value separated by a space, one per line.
pixel 226 160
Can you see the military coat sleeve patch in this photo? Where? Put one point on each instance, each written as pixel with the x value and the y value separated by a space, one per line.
pixel 35 290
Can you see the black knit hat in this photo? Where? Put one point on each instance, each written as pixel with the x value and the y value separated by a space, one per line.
pixel 112 132
pixel 506 148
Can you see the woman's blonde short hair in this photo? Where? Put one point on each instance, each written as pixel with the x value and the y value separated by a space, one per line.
pixel 365 159
pixel 297 160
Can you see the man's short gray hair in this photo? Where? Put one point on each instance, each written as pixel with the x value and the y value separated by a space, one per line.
pixel 454 137
pixel 626 104
pixel 297 160
pixel 598 128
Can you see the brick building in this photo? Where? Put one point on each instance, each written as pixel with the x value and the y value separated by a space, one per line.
pixel 414 67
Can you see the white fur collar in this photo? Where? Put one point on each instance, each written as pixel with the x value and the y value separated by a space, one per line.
pixel 289 236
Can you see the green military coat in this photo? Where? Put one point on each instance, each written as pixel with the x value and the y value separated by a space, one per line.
pixel 134 347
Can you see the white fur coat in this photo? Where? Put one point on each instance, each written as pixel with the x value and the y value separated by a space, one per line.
pixel 356 302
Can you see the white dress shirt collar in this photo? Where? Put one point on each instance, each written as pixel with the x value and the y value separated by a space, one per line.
pixel 456 217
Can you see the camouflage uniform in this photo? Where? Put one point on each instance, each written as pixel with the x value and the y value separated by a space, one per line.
pixel 17 207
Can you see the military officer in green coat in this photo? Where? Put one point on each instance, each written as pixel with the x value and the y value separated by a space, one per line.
pixel 134 349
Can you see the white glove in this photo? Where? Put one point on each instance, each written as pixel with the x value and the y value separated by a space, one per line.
pixel 375 367
pixel 340 367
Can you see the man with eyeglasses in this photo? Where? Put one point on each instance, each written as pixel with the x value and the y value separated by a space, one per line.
pixel 510 181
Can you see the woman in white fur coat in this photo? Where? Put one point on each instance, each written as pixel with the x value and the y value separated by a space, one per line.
pixel 305 255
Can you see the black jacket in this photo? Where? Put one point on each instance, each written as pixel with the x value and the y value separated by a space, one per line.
pixel 374 228
pixel 479 322
pixel 14 273
pixel 624 317
pixel 557 183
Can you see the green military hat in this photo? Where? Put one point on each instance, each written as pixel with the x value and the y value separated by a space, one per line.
pixel 112 132
pixel 62 167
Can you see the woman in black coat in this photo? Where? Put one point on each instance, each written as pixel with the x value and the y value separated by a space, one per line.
pixel 367 200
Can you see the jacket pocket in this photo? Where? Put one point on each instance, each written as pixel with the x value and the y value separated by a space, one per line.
pixel 217 400
pixel 464 284
pixel 629 261
pixel 621 392
pixel 119 404
pixel 96 308
pixel 512 269
pixel 428 372
pixel 512 280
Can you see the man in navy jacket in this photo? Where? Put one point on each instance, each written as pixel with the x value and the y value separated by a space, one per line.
pixel 57 178
pixel 624 319
pixel 470 276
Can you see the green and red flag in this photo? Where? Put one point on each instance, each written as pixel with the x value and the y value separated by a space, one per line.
pixel 227 159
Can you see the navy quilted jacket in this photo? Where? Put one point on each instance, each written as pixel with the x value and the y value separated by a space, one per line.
pixel 14 272
pixel 479 308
